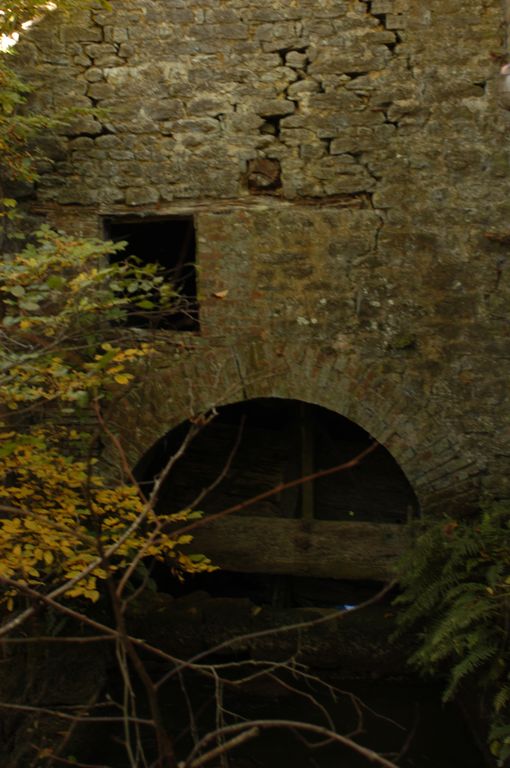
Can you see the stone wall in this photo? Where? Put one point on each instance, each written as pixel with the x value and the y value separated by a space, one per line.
pixel 345 161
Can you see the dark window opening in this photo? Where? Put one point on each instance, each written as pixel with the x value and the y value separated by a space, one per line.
pixel 170 243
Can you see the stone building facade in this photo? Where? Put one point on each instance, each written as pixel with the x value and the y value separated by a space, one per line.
pixel 345 166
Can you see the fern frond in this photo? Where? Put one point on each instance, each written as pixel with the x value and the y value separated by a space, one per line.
pixel 455 590
pixel 502 698
pixel 467 666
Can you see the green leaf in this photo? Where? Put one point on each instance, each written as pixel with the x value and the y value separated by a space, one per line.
pixel 54 282
pixel 105 360
pixel 29 306
pixel 7 448
pixel 197 558
pixel 81 397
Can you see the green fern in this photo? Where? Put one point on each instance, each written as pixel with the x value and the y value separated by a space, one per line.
pixel 471 663
pixel 502 698
pixel 456 596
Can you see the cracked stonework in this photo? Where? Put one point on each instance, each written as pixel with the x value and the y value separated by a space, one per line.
pixel 351 151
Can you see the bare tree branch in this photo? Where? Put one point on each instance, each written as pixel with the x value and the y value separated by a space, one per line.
pixel 227 746
pixel 278 489
pixel 291 725
pixel 335 616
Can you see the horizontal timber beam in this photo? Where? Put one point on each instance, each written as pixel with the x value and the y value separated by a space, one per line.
pixel 315 548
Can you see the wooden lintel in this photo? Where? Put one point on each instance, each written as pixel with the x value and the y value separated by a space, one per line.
pixel 316 548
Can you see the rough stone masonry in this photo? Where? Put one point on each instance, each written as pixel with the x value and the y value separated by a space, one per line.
pixel 346 163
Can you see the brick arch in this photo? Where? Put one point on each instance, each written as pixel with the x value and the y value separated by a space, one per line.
pixel 402 422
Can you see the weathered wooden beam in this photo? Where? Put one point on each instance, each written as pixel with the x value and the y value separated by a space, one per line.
pixel 315 548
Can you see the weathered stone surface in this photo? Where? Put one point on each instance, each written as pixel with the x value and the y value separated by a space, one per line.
pixel 50 676
pixel 359 276
pixel 355 644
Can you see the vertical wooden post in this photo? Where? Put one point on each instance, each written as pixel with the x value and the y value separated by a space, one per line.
pixel 307 461
pixel 289 501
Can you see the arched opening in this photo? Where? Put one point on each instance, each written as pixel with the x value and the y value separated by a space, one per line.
pixel 294 558
pixel 321 542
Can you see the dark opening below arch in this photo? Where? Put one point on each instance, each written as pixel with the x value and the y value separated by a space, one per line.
pixel 252 446
pixel 362 508
pixel 321 543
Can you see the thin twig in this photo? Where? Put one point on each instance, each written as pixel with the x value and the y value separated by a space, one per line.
pixel 82 718
pixel 222 749
pixel 369 754
pixel 278 489
pixel 152 500
pixel 335 616
pixel 65 761
pixel 57 639
pixel 206 491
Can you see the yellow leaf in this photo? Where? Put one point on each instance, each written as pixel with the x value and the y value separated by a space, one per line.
pixel 123 378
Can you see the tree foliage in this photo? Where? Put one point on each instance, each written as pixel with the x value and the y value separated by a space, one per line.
pixel 456 591
pixel 66 354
